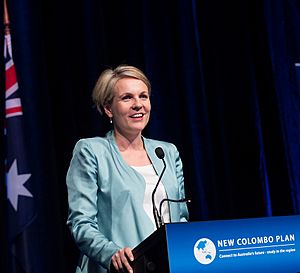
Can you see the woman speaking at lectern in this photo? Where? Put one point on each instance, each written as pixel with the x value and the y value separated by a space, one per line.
pixel 111 179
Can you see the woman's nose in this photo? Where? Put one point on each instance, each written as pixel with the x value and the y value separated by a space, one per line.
pixel 137 104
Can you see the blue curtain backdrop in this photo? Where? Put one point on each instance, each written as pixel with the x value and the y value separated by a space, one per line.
pixel 226 85
pixel 283 25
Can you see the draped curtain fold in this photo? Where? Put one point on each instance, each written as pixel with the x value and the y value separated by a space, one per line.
pixel 282 22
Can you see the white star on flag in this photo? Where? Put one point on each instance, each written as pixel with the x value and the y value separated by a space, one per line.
pixel 15 185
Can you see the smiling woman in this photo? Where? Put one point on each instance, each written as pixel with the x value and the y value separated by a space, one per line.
pixel 130 108
pixel 111 179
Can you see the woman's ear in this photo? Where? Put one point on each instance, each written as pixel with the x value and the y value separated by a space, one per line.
pixel 108 111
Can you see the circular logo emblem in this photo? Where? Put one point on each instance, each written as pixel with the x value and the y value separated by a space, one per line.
pixel 204 251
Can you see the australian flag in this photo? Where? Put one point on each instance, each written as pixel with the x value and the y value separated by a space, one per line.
pixel 20 198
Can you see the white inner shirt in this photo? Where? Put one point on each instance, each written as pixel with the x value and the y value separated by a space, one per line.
pixel 151 179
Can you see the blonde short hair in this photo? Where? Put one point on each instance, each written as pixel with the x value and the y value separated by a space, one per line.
pixel 103 92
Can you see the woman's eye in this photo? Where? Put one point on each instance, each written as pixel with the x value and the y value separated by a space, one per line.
pixel 144 96
pixel 126 98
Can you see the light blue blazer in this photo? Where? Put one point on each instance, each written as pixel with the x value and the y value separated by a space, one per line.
pixel 106 195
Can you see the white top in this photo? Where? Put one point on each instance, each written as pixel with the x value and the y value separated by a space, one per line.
pixel 151 179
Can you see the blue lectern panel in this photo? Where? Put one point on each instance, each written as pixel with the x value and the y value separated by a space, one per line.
pixel 235 246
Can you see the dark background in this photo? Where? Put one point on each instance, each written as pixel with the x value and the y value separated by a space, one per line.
pixel 225 91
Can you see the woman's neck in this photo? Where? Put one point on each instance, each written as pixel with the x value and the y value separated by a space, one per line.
pixel 132 149
pixel 129 142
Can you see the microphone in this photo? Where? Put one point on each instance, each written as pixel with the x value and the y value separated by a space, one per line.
pixel 160 154
pixel 183 200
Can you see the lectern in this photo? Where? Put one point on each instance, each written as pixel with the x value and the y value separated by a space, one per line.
pixel 151 255
pixel 267 244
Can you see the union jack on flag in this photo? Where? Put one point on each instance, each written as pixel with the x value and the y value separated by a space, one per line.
pixel 13 105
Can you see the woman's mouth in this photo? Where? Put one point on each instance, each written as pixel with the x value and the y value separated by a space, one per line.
pixel 138 115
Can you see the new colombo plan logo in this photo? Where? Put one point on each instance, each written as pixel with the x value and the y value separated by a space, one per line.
pixel 205 251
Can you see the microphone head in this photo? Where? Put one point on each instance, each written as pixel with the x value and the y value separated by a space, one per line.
pixel 159 152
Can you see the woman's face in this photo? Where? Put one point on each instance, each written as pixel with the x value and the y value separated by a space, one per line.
pixel 130 108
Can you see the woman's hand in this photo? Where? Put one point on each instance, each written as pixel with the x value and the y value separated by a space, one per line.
pixel 121 258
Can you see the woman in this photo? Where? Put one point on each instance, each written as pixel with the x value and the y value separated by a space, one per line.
pixel 110 179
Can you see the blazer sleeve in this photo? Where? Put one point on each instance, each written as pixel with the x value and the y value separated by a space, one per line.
pixel 184 215
pixel 82 199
